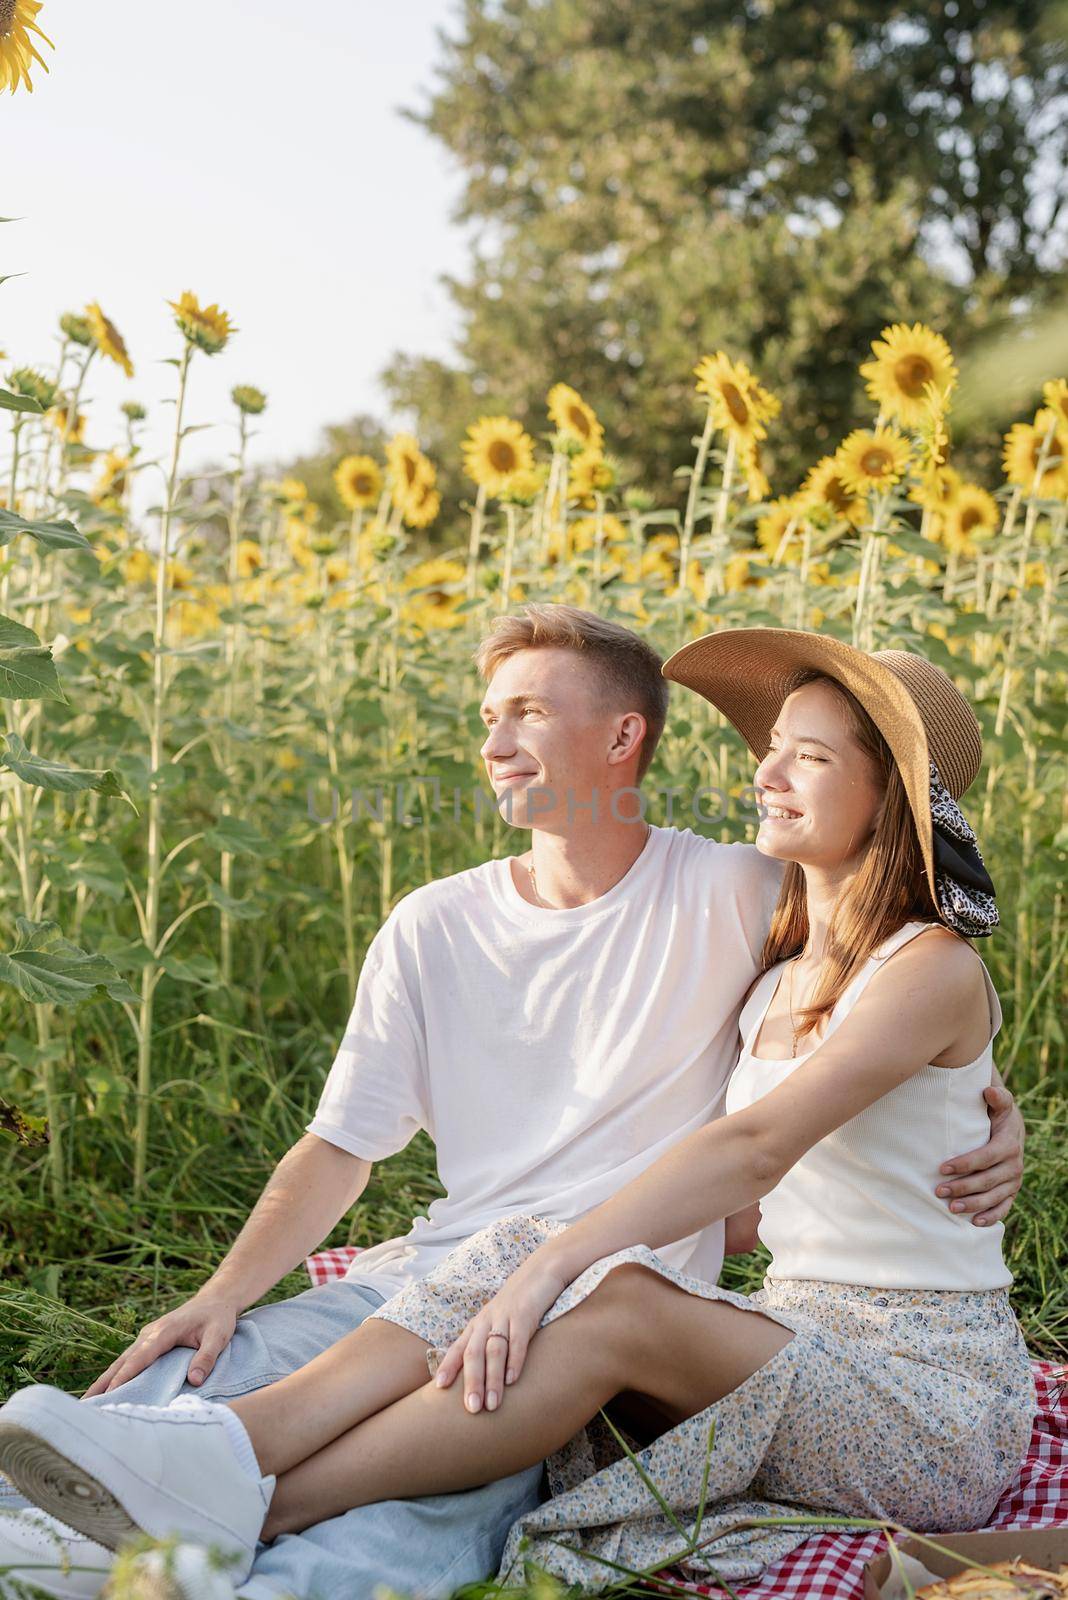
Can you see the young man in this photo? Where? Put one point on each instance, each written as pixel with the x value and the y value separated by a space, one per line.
pixel 555 1020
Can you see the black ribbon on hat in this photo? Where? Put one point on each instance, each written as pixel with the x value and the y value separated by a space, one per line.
pixel 965 891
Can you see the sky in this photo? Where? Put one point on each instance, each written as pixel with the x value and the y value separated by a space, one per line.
pixel 250 151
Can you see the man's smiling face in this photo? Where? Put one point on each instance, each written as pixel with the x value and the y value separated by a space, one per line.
pixel 549 731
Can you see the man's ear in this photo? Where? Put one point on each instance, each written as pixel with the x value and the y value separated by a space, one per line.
pixel 628 736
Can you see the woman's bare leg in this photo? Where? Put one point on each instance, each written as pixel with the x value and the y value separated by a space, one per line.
pixel 369 1368
pixel 635 1332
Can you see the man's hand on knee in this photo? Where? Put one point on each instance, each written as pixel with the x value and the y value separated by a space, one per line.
pixel 205 1323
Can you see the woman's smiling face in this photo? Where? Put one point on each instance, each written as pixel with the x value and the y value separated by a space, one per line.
pixel 818 789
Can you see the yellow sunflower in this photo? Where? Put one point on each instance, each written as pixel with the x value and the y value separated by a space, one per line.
pixel 249 558
pixel 440 585
pixel 572 417
pixel 906 361
pixel 422 505
pixel 17 49
pixel 824 487
pixel 293 491
pixel 192 618
pixel 495 450
pixel 107 338
pixel 138 567
pixel 75 432
pixel 931 433
pixel 524 487
pixel 937 490
pixel 973 515
pixel 872 458
pixel 111 485
pixel 639 572
pixel 298 542
pixel 179 576
pixel 583 533
pixel 1055 394
pixel 588 474
pixel 358 481
pixel 756 481
pixel 736 575
pixel 408 466
pixel 739 403
pixel 774 526
pixel 207 327
pixel 1023 450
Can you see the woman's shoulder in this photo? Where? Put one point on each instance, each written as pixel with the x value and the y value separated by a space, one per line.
pixel 934 955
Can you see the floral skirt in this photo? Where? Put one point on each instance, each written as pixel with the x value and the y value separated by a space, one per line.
pixel 913 1406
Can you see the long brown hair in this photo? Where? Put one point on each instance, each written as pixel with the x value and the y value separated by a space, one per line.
pixel 888 889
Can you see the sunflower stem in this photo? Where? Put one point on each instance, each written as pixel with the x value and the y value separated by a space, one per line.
pixel 231 652
pixel 1009 661
pixel 152 970
pixel 474 545
pixel 5 583
pixel 71 419
pixel 689 519
pixel 511 513
pixel 598 547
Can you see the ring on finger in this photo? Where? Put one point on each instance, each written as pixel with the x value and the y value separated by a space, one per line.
pixel 495 1333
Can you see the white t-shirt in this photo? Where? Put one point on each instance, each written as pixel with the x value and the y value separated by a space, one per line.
pixel 551 1054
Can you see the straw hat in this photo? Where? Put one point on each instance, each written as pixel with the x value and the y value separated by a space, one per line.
pixel 930 728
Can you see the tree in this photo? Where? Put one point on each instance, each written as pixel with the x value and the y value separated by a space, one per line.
pixel 660 180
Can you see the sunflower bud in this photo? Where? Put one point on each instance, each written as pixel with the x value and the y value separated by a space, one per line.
pixel 566 444
pixel 206 327
pixel 133 411
pixel 76 328
pixel 33 385
pixel 324 544
pixel 639 500
pixel 383 545
pixel 247 399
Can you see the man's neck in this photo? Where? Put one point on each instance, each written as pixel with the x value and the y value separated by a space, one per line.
pixel 574 868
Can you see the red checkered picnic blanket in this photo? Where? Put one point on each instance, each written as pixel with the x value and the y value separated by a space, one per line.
pixel 830 1566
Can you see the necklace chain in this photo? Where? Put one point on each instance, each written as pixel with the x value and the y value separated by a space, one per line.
pixel 534 880
pixel 790 999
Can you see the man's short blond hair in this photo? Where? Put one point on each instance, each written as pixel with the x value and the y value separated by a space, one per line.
pixel 628 668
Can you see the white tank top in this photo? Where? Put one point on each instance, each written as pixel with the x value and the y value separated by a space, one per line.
pixel 860 1206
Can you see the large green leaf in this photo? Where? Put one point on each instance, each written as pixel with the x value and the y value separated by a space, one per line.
pixel 14 633
pixel 93 863
pixel 18 402
pixel 53 535
pixel 45 774
pixel 191 969
pixel 246 910
pixel 43 966
pixel 236 836
pixel 27 672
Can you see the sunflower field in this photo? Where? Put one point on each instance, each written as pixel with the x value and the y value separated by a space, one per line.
pixel 239 728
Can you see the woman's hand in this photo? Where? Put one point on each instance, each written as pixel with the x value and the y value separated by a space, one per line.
pixel 490 1362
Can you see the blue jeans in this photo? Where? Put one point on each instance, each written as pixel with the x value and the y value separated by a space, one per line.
pixel 426 1547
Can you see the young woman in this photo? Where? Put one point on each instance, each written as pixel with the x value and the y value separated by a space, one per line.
pixel 879 1371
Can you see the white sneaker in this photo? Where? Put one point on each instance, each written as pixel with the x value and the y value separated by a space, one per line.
pixel 115 1471
pixel 37 1549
